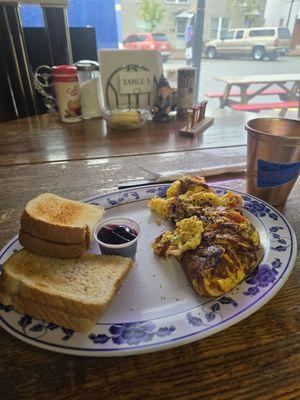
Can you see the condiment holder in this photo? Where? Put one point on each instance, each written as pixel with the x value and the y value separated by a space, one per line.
pixel 127 249
pixel 90 88
pixel 197 122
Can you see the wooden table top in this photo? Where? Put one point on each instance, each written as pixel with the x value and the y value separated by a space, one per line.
pixel 238 79
pixel 44 138
pixel 258 358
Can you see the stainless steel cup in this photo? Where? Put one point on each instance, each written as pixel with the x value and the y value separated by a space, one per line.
pixel 273 158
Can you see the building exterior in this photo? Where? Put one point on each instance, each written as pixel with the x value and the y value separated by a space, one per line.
pixel 284 13
pixel 176 15
pixel 218 18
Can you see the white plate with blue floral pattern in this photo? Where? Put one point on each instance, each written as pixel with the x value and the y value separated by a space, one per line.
pixel 156 308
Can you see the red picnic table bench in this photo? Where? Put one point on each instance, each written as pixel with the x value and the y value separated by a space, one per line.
pixel 264 106
pixel 287 93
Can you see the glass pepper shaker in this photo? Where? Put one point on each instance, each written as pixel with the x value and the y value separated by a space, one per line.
pixel 90 88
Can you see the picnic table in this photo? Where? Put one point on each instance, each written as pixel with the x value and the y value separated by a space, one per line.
pixel 286 86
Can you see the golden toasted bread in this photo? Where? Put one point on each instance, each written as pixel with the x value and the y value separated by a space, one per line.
pixel 72 293
pixel 48 248
pixel 60 220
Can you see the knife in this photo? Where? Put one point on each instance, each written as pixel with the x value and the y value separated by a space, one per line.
pixel 130 184
pixel 171 176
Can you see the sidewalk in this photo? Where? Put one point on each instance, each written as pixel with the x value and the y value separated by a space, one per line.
pixel 295 52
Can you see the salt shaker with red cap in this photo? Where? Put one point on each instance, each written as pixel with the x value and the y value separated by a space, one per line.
pixel 67 91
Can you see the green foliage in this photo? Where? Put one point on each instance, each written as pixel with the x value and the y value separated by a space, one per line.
pixel 151 12
pixel 246 7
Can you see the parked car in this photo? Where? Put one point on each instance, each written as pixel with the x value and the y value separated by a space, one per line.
pixel 149 41
pixel 256 42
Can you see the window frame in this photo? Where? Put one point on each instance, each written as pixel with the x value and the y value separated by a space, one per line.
pixel 181 34
pixel 219 30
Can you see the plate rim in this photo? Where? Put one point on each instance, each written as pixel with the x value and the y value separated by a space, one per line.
pixel 178 341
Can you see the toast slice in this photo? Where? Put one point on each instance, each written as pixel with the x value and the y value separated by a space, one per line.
pixel 72 293
pixel 48 248
pixel 55 218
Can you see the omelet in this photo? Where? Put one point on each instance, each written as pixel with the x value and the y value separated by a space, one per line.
pixel 188 204
pixel 188 185
pixel 226 255
pixel 186 236
pixel 215 243
pixel 161 206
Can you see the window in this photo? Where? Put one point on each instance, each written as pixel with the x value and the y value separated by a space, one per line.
pixel 224 26
pixel 239 35
pixel 130 39
pixel 284 33
pixel 181 26
pixel 159 37
pixel 261 32
pixel 214 28
pixel 140 38
pixel 218 26
pixel 221 21
pixel 228 35
pixel 172 35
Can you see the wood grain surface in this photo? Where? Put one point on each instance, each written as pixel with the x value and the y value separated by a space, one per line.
pixel 257 359
pixel 43 138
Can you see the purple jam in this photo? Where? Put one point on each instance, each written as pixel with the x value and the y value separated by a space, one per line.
pixel 116 234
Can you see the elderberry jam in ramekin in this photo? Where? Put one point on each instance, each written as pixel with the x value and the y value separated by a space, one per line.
pixel 118 236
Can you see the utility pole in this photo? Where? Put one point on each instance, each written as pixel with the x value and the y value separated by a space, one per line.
pixel 198 43
pixel 290 12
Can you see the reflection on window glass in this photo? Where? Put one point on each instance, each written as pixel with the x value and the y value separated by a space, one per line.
pixel 256 35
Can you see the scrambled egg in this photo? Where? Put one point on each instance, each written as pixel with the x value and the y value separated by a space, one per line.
pixel 202 198
pixel 231 200
pixel 187 185
pixel 186 236
pixel 162 206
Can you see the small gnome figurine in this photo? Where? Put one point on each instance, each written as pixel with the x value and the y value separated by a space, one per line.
pixel 163 102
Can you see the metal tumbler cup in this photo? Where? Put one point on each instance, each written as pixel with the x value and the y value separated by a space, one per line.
pixel 273 158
